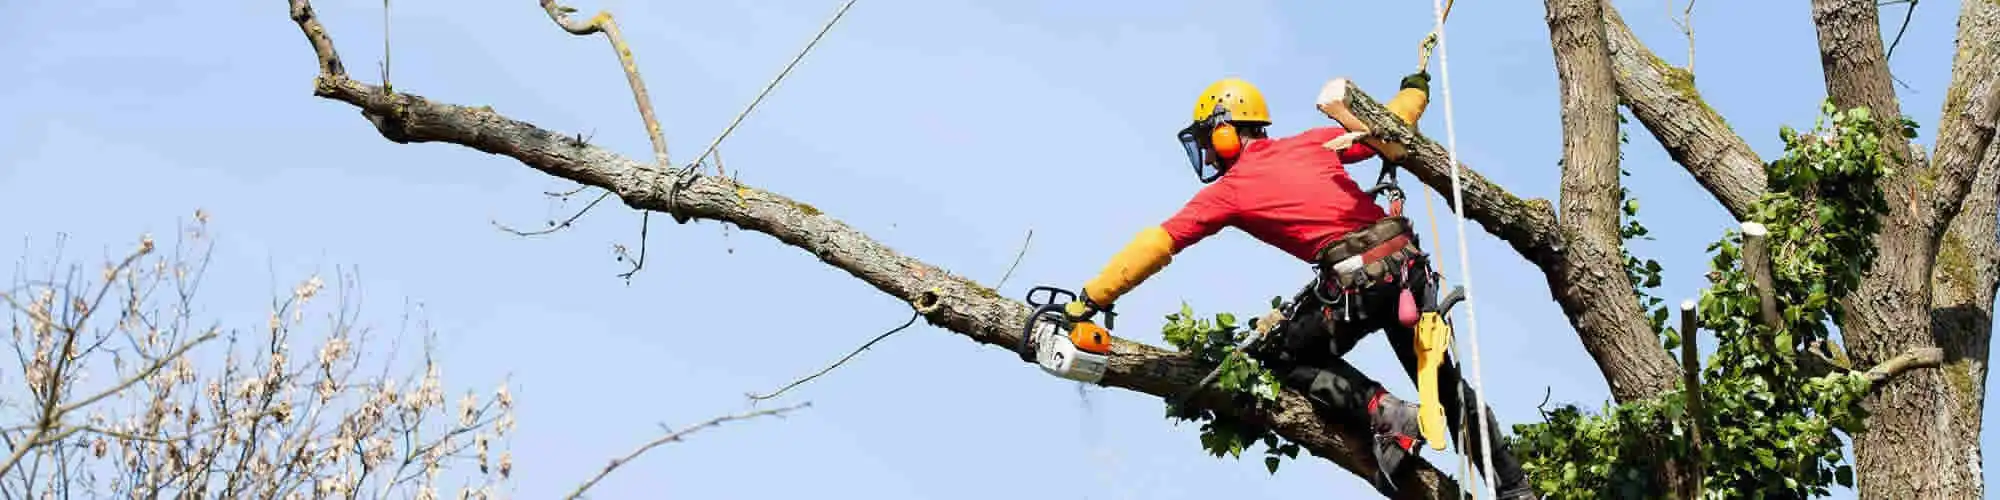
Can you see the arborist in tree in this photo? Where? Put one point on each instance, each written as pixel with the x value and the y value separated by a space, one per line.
pixel 1294 193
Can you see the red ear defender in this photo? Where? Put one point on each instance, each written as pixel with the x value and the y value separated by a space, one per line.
pixel 1226 143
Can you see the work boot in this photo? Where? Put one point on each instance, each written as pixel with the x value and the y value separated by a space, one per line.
pixel 1394 422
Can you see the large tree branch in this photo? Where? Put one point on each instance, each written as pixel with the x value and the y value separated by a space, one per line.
pixel 1615 333
pixel 1527 225
pixel 1590 198
pixel 1664 99
pixel 1968 267
pixel 1972 103
pixel 1855 68
pixel 948 301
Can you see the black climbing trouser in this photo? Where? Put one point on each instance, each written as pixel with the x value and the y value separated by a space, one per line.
pixel 1309 352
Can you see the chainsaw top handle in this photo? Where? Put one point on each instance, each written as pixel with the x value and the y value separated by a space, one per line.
pixel 1057 297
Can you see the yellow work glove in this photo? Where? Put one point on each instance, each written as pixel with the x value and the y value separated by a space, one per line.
pixel 1079 310
pixel 1412 96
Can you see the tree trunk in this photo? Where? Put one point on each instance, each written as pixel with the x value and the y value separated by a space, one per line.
pixel 1911 448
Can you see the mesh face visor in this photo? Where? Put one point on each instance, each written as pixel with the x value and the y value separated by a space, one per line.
pixel 1195 145
pixel 1194 141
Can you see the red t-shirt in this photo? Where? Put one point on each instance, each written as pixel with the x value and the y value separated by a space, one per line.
pixel 1290 193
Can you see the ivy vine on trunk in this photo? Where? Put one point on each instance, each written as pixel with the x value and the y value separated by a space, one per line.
pixel 1770 428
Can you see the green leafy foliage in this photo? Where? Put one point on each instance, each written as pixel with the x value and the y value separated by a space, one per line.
pixel 1211 340
pixel 1769 430
pixel 1643 273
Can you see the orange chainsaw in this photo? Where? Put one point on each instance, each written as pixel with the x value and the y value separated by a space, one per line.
pixel 1067 348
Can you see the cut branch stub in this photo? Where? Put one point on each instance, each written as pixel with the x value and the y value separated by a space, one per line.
pixel 1757 263
pixel 1691 386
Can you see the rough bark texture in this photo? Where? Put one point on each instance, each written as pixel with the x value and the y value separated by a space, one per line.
pixel 1591 280
pixel 1665 101
pixel 1962 294
pixel 1967 265
pixel 1965 127
pixel 949 301
pixel 1624 346
pixel 1909 449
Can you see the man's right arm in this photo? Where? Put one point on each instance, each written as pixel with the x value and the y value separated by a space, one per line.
pixel 1155 246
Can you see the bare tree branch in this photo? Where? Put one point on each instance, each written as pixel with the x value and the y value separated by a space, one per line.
pixel 1527 225
pixel 1664 99
pixel 1971 107
pixel 602 23
pixel 677 436
pixel 955 303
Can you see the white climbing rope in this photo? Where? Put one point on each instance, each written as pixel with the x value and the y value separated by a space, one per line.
pixel 1484 445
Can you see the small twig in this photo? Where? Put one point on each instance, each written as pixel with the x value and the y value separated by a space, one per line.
pixel 233 420
pixel 645 224
pixel 386 87
pixel 1017 259
pixel 836 364
pixel 677 436
pixel 554 226
pixel 567 194
pixel 721 172
pixel 1687 26
pixel 141 376
pixel 1691 385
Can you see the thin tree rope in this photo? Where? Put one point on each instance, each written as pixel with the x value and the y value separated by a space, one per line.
pixel 1464 260
pixel 774 83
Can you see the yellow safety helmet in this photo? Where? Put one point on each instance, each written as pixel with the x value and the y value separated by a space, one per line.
pixel 1241 99
pixel 1211 141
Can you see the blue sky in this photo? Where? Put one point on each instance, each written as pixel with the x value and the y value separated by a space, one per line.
pixel 945 128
